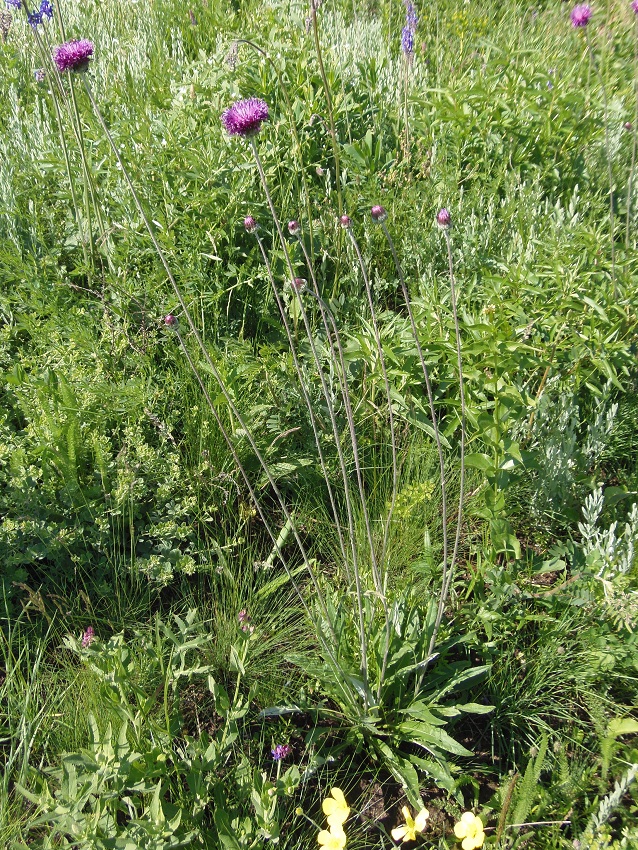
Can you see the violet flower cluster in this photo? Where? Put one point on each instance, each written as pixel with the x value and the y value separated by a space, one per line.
pixel 73 55
pixel 408 31
pixel 281 751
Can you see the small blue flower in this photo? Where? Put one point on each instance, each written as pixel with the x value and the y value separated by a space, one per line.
pixel 46 9
pixel 17 4
pixel 411 19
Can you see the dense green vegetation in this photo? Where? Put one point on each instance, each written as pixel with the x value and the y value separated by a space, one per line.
pixel 337 505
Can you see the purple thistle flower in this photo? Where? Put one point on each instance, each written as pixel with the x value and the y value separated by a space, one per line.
pixel 443 218
pixel 88 637
pixel 46 10
pixel 345 221
pixel 581 14
pixel 170 321
pixel 378 213
pixel 73 55
pixel 634 6
pixel 245 117
pixel 407 42
pixel 281 751
pixel 250 224
pixel 293 227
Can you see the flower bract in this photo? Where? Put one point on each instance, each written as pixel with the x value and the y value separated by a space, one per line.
pixel 73 55
pixel 408 830
pixel 336 809
pixel 470 829
pixel 245 117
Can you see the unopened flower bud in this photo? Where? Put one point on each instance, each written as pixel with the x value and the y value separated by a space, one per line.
pixel 628 125
pixel 250 225
pixel 345 222
pixel 299 284
pixel 443 218
pixel 378 213
pixel 170 321
pixel 293 227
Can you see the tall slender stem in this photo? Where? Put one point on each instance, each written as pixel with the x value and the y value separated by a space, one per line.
pixel 634 145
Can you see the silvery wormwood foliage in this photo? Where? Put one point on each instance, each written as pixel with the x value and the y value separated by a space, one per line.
pixel 616 551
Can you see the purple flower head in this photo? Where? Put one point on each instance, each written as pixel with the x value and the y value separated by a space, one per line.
pixel 293 227
pixel 634 6
pixel 581 14
pixel 250 224
pixel 378 213
pixel 346 222
pixel 280 752
pixel 73 55
pixel 298 284
pixel 17 4
pixel 243 616
pixel 46 10
pixel 245 117
pixel 628 125
pixel 407 42
pixel 443 218
pixel 170 321
pixel 34 18
pixel 88 637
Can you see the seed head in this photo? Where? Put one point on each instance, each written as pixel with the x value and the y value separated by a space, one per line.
pixel 378 213
pixel 581 14
pixel 245 117
pixel 73 55
pixel 250 225
pixel 443 218
pixel 346 222
pixel 293 227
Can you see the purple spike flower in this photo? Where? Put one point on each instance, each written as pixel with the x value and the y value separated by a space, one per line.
pixel 46 10
pixel 245 117
pixel 73 55
pixel 407 42
pixel 34 18
pixel 88 637
pixel 411 19
pixel 581 14
pixel 280 752
pixel 17 4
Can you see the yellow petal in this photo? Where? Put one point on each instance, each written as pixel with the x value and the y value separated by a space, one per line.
pixel 420 820
pixel 399 832
pixel 460 829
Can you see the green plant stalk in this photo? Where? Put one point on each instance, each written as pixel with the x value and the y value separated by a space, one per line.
pixel 386 383
pixel 459 359
pixel 435 426
pixel 610 163
pixel 326 316
pixel 313 420
pixel 634 144
pixel 293 126
pixel 200 343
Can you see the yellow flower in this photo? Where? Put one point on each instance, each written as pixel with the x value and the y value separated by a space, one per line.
pixel 336 809
pixel 470 829
pixel 408 830
pixel 335 839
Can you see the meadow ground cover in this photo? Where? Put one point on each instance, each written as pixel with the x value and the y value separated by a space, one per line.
pixel 318 468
